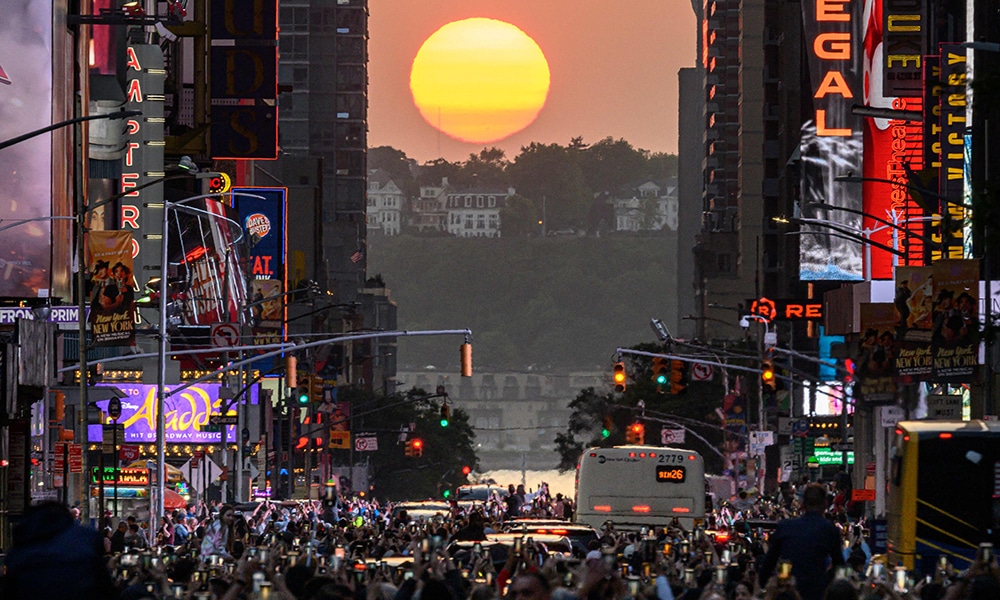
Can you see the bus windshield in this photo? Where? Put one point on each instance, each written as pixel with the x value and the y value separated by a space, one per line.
pixel 944 495
pixel 640 485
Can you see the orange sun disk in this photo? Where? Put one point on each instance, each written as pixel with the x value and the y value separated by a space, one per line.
pixel 479 80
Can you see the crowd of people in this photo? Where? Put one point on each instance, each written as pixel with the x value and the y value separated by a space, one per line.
pixel 362 549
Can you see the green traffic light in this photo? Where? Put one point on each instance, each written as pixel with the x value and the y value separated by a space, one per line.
pixel 661 379
pixel 444 422
pixel 303 398
pixel 447 494
pixel 605 433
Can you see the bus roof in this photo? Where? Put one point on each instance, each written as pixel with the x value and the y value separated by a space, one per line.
pixel 974 427
pixel 638 448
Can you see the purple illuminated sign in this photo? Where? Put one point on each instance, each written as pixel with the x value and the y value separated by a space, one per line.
pixel 186 414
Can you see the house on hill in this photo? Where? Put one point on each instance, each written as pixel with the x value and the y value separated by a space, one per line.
pixel 648 206
pixel 427 211
pixel 385 204
pixel 475 212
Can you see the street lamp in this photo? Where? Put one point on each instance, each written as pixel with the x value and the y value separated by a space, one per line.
pixel 156 504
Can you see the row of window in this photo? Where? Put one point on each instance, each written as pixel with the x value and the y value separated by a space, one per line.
pixel 481 201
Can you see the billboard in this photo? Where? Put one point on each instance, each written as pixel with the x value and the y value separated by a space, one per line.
pixel 186 414
pixel 263 221
pixel 893 148
pixel 244 63
pixel 26 98
pixel 112 288
pixel 831 142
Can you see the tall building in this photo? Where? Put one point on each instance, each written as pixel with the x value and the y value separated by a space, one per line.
pixel 323 113
pixel 728 245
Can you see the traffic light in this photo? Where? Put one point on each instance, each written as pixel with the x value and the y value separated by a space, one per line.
pixel 660 372
pixel 607 426
pixel 445 414
pixel 620 377
pixel 59 410
pixel 418 446
pixel 767 378
pixel 678 377
pixel 291 376
pixel 302 390
pixel 316 389
pixel 466 470
pixel 636 434
pixel 466 355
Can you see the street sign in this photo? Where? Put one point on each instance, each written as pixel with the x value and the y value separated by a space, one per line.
pixel 225 335
pixel 366 444
pixel 889 416
pixel 76 458
pixel 222 419
pixel 861 495
pixel 340 439
pixel 670 436
pixel 944 407
pixel 115 408
pixel 701 372
pixel 128 453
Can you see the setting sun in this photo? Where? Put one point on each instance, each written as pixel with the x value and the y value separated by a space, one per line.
pixel 479 80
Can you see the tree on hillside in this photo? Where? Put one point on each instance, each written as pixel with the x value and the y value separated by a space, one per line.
pixel 662 166
pixel 520 217
pixel 488 168
pixel 397 164
pixel 549 176
pixel 610 164
pixel 431 173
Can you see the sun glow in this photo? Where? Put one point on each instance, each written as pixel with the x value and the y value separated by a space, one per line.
pixel 479 80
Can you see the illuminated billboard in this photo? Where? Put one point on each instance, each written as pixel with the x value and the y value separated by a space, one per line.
pixel 186 413
pixel 831 143
pixel 26 98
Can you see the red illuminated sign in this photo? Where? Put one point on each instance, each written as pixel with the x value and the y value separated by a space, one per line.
pixel 787 310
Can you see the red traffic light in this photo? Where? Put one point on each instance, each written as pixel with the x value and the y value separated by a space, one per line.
pixel 466 470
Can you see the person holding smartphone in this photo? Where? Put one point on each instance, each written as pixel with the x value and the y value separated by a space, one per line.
pixel 808 542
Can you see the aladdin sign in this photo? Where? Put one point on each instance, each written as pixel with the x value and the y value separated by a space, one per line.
pixel 186 414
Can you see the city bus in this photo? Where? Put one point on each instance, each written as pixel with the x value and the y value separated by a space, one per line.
pixel 632 486
pixel 944 492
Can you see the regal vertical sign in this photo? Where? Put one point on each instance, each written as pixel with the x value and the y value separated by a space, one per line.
pixel 141 208
pixel 244 63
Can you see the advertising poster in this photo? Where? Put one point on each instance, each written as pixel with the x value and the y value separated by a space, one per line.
pixel 831 143
pixel 186 414
pixel 112 288
pixel 893 148
pixel 263 220
pixel 955 334
pixel 25 101
pixel 913 302
pixel 875 368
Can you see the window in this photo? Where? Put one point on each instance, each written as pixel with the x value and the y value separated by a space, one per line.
pixel 492 201
pixel 468 201
pixel 479 201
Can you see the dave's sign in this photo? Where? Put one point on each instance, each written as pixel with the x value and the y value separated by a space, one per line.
pixel 787 310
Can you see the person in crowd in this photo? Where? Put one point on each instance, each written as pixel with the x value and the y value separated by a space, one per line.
pixel 220 534
pixel 809 542
pixel 118 538
pixel 53 557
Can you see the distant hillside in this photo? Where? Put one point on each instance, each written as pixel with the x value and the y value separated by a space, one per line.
pixel 553 303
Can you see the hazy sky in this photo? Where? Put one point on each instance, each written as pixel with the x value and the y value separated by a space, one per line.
pixel 613 66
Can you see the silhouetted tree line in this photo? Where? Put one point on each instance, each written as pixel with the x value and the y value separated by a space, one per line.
pixel 568 184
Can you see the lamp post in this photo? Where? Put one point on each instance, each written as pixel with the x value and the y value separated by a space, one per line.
pixel 156 504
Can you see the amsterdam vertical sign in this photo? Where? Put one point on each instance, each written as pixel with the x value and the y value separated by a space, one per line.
pixel 244 63
pixel 140 210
